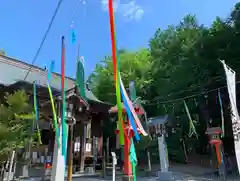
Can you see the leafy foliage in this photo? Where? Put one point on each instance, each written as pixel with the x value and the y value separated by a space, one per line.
pixel 134 66
pixel 2 52
pixel 181 61
pixel 16 118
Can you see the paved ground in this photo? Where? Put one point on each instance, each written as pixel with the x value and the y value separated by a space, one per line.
pixel 175 177
pixel 180 173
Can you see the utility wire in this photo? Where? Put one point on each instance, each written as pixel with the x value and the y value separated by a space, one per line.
pixel 44 37
pixel 194 87
pixel 187 97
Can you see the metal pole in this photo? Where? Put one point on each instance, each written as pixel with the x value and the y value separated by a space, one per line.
pixel 107 155
pixel 149 161
pixel 104 164
pixel 11 165
pixel 114 162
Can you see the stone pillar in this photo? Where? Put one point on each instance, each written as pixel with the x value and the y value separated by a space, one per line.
pixel 162 154
pixel 59 166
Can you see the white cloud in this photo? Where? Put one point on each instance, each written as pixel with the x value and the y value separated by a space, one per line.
pixel 104 4
pixel 131 11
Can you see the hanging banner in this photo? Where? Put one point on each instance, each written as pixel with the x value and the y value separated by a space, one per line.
pixel 231 85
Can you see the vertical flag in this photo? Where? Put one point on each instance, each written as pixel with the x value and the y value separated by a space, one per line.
pixel 80 78
pixel 231 85
pixel 51 68
pixel 133 160
pixel 73 33
pixel 132 91
pixel 36 111
pixel 192 129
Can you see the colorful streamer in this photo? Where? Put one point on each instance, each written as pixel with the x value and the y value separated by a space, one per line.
pixel 54 114
pixel 80 78
pixel 137 121
pixel 133 95
pixel 222 114
pixel 191 127
pixel 50 71
pixel 132 90
pixel 73 36
pixel 36 111
pixel 116 72
pixel 55 123
pixel 64 124
pixel 130 117
pixel 133 160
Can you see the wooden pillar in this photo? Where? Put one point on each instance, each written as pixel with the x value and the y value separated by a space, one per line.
pixel 100 140
pixel 82 148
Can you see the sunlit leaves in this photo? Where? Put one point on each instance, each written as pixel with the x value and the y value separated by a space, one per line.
pixel 16 118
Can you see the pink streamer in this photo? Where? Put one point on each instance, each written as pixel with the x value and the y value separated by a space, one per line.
pixel 129 102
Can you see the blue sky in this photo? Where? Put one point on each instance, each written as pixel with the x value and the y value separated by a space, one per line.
pixel 24 22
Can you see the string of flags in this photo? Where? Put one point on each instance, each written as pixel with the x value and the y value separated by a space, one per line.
pixel 192 129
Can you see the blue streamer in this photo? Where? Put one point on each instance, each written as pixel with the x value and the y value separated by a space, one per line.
pixel 73 36
pixel 50 71
pixel 131 120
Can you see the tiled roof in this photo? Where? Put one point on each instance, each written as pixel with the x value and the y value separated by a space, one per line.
pixel 13 70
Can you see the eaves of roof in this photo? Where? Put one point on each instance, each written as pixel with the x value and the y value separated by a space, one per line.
pixel 13 70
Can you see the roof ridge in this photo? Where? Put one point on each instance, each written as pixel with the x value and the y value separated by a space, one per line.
pixel 25 65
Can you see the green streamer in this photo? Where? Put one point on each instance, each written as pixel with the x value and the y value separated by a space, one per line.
pixel 132 90
pixel 119 106
pixel 80 78
pixel 54 114
pixel 192 129
pixel 36 111
pixel 133 159
pixel 118 94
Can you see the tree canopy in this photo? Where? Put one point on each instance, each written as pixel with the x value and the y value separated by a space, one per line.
pixel 181 61
pixel 16 117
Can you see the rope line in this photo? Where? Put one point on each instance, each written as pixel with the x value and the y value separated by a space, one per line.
pixel 187 97
pixel 44 38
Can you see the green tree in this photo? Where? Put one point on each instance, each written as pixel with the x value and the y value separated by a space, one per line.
pixel 135 66
pixel 182 60
pixel 16 118
pixel 2 52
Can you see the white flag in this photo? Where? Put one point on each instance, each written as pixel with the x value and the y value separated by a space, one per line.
pixel 231 85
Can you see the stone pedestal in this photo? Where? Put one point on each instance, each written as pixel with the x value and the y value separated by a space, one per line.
pixel 162 153
pixel 165 176
pixel 58 165
pixel 90 170
pixel 127 178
